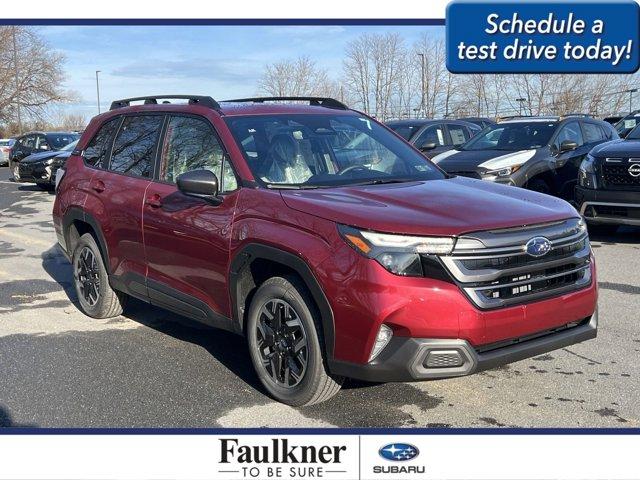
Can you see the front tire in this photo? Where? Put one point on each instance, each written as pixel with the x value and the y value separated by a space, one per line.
pixel 96 297
pixel 286 344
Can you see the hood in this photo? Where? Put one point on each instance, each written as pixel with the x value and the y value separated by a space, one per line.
pixel 470 160
pixel 435 207
pixel 40 156
pixel 617 148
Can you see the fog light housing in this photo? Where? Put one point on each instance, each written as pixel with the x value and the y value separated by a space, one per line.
pixel 444 359
pixel 382 339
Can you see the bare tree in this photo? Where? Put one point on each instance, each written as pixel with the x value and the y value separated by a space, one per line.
pixel 299 77
pixel 31 74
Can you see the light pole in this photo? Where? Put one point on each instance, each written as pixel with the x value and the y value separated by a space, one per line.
pixel 520 100
pixel 15 69
pixel 631 91
pixel 422 104
pixel 98 89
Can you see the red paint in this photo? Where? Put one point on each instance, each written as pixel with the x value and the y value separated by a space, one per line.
pixel 152 229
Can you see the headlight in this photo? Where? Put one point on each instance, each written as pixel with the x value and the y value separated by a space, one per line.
pixel 399 254
pixel 587 173
pixel 502 172
pixel 48 161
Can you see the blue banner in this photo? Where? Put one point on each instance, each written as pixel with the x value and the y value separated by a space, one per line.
pixel 542 37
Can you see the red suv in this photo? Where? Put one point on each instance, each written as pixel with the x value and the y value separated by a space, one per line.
pixel 332 244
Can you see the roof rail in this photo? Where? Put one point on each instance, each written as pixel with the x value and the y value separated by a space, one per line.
pixel 582 115
pixel 319 101
pixel 205 101
pixel 524 117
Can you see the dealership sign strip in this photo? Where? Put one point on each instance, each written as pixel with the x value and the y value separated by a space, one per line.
pixel 489 454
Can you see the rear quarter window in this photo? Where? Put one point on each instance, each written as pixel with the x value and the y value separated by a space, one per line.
pixel 95 153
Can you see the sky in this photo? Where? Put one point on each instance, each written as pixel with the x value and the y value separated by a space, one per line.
pixel 221 61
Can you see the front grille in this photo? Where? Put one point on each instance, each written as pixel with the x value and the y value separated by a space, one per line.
pixel 618 211
pixel 494 270
pixel 616 176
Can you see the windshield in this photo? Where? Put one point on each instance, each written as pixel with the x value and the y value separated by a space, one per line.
pixel 310 151
pixel 70 147
pixel 512 136
pixel 627 124
pixel 404 130
pixel 59 140
pixel 634 134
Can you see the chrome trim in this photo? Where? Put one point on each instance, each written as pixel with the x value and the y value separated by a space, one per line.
pixel 511 243
pixel 484 302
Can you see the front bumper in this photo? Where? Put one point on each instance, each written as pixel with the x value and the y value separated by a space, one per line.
pixel 608 207
pixel 36 173
pixel 407 359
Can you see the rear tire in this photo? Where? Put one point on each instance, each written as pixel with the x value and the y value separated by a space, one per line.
pixel 96 297
pixel 286 343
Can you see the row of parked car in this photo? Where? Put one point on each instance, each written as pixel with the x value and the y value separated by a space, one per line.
pixel 578 158
pixel 36 156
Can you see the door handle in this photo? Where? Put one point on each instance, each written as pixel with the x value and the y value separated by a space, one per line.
pixel 154 201
pixel 98 186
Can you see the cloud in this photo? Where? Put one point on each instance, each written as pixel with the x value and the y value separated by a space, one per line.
pixel 225 70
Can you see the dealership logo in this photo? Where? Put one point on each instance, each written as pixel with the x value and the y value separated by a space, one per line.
pixel 634 170
pixel 538 246
pixel 399 452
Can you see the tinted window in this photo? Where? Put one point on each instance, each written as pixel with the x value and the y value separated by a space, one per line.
pixel 512 136
pixel 190 144
pixel 96 152
pixel 135 145
pixel 592 133
pixel 570 132
pixel 432 134
pixel 58 140
pixel 29 141
pixel 458 134
pixel 405 131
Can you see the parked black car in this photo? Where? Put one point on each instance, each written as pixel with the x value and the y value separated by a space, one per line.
pixel 432 137
pixel 480 121
pixel 40 168
pixel 538 153
pixel 33 142
pixel 608 191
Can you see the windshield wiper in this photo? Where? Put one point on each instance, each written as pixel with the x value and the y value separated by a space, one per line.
pixel 291 186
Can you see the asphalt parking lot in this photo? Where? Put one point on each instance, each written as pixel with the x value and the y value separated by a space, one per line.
pixel 151 368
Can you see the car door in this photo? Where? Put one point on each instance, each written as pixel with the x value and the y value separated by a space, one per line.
pixel 117 194
pixel 186 238
pixel 566 164
pixel 432 140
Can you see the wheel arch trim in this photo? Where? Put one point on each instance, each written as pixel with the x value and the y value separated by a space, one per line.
pixel 75 213
pixel 252 251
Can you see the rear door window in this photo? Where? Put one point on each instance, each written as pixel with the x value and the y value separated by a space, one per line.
pixel 95 154
pixel 458 134
pixel 135 145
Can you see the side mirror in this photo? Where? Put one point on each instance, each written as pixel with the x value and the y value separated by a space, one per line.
pixel 200 184
pixel 567 146
pixel 427 146
pixel 43 147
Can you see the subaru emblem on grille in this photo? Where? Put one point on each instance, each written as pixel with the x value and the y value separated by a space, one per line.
pixel 634 170
pixel 538 246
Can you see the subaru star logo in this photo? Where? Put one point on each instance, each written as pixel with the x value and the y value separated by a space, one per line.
pixel 634 170
pixel 538 246
pixel 398 452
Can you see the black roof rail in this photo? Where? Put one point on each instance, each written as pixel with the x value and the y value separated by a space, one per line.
pixel 205 101
pixel 582 115
pixel 319 101
pixel 524 117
